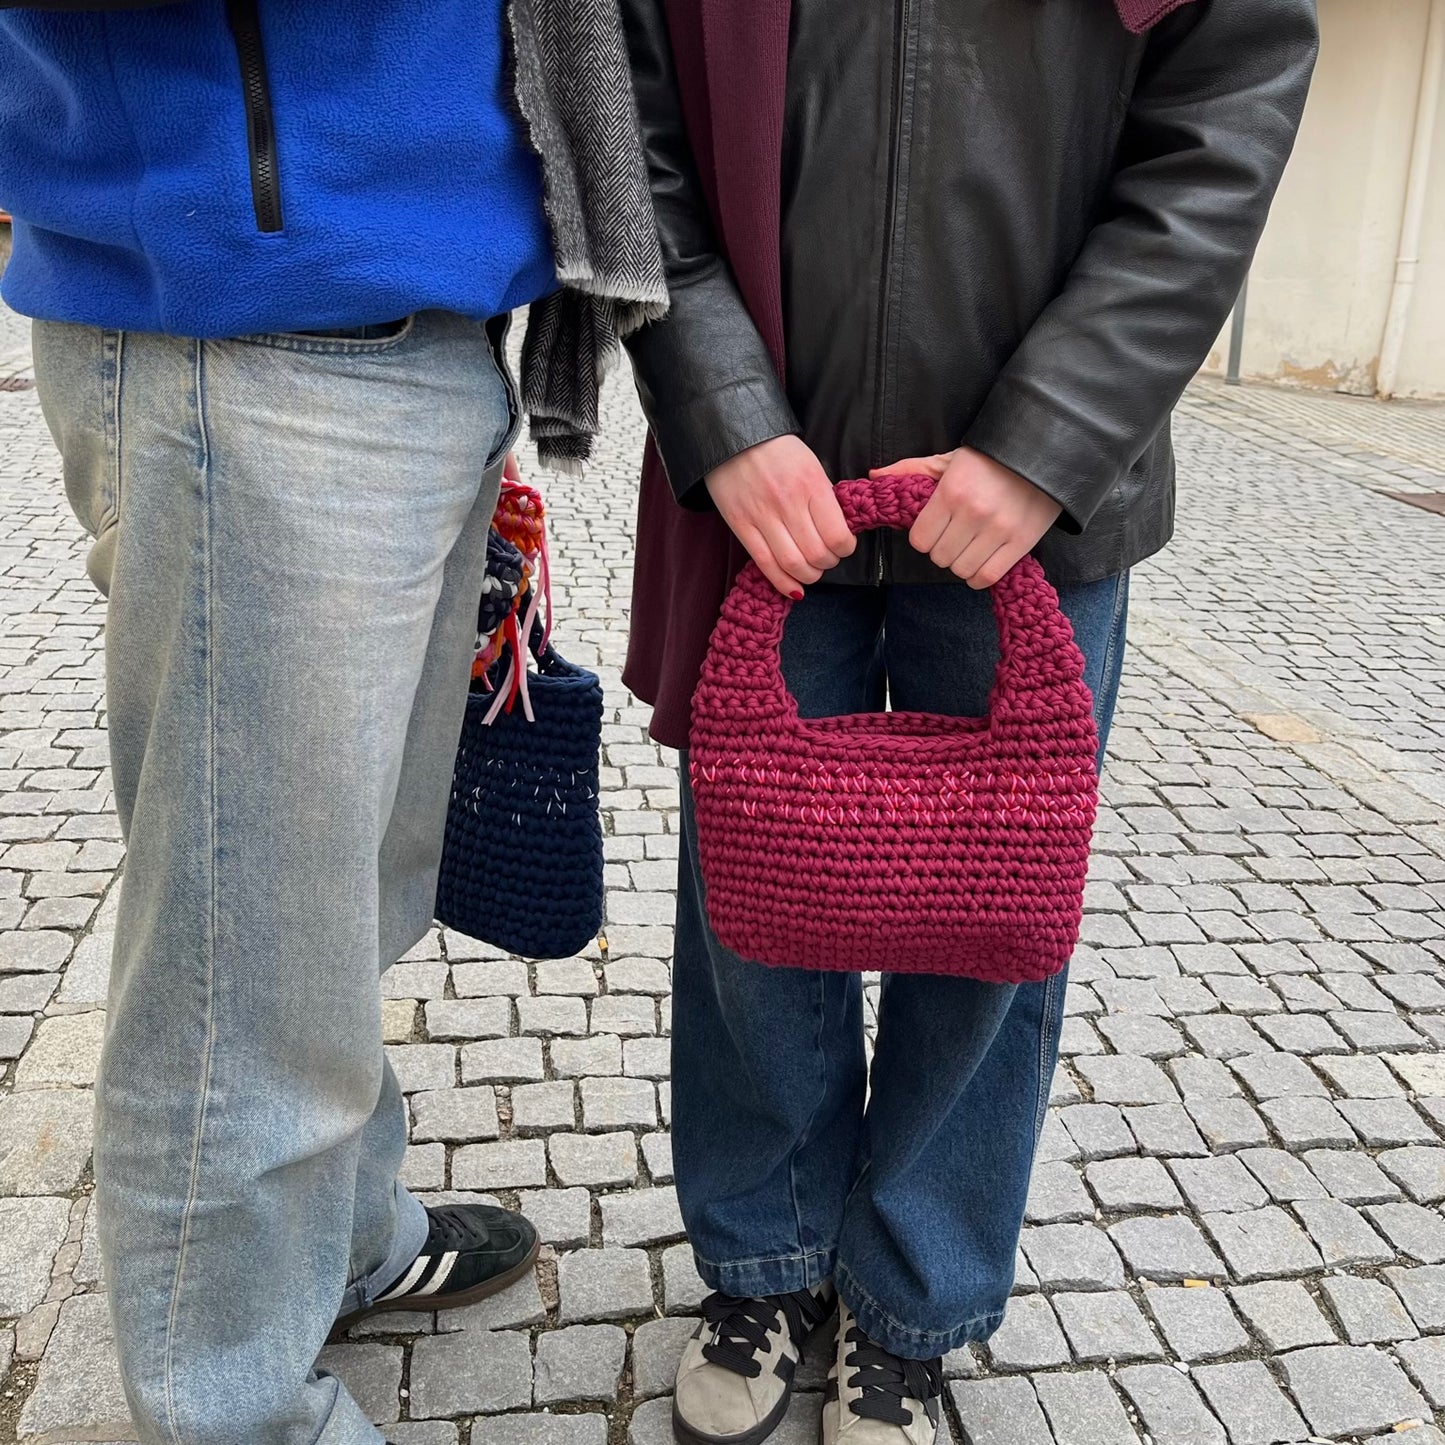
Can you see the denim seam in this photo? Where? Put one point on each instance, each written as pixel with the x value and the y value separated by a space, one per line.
pixel 113 359
pixel 808 1128
pixel 323 346
pixel 802 1257
pixel 208 1049
pixel 1111 648
pixel 928 1337
pixel 1045 1083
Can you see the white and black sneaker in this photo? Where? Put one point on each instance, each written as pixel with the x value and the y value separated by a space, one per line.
pixel 737 1371
pixel 471 1251
pixel 876 1398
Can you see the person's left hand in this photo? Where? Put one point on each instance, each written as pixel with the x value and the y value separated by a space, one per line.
pixel 982 518
pixel 510 470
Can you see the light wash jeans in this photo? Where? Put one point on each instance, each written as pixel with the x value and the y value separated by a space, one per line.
pixel 911 1203
pixel 292 534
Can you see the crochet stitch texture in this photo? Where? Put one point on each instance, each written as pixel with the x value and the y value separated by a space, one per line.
pixel 907 842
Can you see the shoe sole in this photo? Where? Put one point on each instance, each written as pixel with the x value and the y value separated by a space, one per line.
pixel 433 1304
pixel 686 1435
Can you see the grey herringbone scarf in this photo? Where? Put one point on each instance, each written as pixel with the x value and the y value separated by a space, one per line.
pixel 574 88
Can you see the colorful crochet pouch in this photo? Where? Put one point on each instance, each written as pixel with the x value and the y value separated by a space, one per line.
pixel 897 841
pixel 522 858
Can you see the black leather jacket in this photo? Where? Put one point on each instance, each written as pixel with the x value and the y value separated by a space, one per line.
pixel 1006 223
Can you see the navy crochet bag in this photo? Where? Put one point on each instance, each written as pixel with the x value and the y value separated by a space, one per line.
pixel 522 859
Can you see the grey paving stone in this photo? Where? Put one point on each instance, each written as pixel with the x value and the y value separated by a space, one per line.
pixel 1425 1362
pixel 1166 1250
pixel 1106 1326
pixel 1198 1323
pixel 1351 1176
pixel 540 1429
pixel 1414 1230
pixel 1301 1034
pixel 492 977
pixel 424 1432
pixel 624 1015
pixel 1421 1073
pixel 1421 1171
pixel 1308 1123
pixel 1170 1406
pixel 28 993
pixel 566 975
pixel 1072 1256
pixel 613 1103
pixel 1201 1078
pixel 513 1164
pixel 33 951
pixel 1118 1079
pixel 1029 1338
pixel 45 1138
pixel 641 1217
pixel 78 1392
pixel 541 1108
pixel 651 1423
pixel 1165 1129
pixel 468 1018
pixel 1000 1412
pixel 682 1288
pixel 454 1115
pixel 1369 1312
pixel 1228 1123
pixel 647 1058
pixel 31 1231
pixel 579 1362
pixel 1283 1315
pixel 1253 1408
pixel 418 979
pixel 517 1306
pixel 1376 1033
pixel 604 1284
pixel 1423 1290
pixel 1262 1243
pixel 1345 1391
pixel 563 1217
pixel 1084 1410
pixel 657 1155
pixel 1099 1130
pixel 593 1160
pixel 371 1374
pixel 657 1347
pixel 502 1061
pixel 1341 1233
pixel 552 1017
pixel 1057 1194
pixel 1221 1183
pixel 65 1051
pixel 1141 1035
pixel 471 1372
pixel 1128 1185
pixel 1360 1076
pixel 1278 1076
pixel 638 975
pixel 1284 1176
pixel 1383 1123
pixel 594 1057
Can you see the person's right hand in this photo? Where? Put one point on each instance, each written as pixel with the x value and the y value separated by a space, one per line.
pixel 778 501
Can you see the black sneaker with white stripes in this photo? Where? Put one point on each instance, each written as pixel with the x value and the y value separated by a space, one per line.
pixel 471 1251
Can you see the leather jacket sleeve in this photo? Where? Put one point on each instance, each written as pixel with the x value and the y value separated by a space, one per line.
pixel 1211 123
pixel 707 384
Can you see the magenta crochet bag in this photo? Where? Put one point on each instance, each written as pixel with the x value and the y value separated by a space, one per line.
pixel 908 842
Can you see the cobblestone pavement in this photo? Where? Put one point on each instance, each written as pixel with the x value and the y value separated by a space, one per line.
pixel 1235 1232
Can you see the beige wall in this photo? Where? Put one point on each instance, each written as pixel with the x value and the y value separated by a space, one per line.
pixel 1321 285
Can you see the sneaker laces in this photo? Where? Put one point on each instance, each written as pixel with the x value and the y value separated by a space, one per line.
pixel 886 1381
pixel 740 1327
pixel 453 1227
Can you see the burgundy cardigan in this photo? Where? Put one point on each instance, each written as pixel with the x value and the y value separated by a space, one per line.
pixel 732 68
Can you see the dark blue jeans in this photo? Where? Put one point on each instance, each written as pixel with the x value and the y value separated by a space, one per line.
pixel 794 1162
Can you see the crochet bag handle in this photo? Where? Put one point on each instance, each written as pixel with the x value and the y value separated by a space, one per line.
pixel 1036 642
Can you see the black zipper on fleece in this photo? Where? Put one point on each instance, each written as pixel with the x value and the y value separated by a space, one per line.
pixel 245 21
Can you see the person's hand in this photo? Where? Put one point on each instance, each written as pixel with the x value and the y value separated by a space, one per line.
pixel 510 470
pixel 982 518
pixel 778 501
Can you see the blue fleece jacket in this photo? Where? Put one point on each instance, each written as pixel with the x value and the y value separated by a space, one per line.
pixel 403 174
